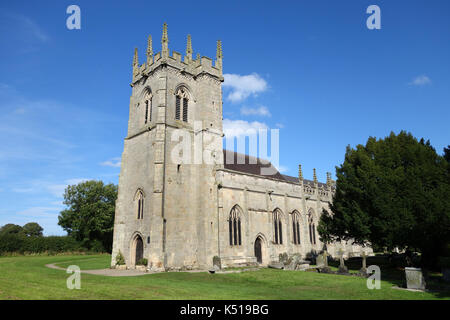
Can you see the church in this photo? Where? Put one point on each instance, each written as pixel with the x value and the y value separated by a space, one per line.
pixel 184 215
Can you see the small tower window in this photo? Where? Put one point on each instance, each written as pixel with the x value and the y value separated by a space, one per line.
pixel 148 107
pixel 140 204
pixel 181 105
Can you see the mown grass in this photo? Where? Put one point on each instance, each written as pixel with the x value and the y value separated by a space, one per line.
pixel 28 278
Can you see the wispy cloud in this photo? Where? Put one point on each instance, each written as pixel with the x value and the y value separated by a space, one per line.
pixel 25 34
pixel 237 128
pixel 242 86
pixel 39 212
pixel 114 162
pixel 258 111
pixel 421 80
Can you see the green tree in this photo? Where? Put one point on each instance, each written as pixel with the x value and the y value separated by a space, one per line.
pixel 447 153
pixel 89 217
pixel 33 229
pixel 11 228
pixel 392 192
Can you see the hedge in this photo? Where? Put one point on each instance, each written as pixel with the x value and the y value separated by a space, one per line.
pixel 22 244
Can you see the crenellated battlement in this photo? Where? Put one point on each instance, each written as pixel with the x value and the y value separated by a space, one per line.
pixel 194 67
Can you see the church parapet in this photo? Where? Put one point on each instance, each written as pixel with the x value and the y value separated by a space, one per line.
pixel 195 67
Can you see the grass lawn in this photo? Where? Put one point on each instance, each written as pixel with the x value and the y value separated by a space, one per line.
pixel 26 277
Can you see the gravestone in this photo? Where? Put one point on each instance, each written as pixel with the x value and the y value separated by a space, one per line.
pixel 342 267
pixel 320 262
pixel 363 270
pixel 414 278
pixel 217 264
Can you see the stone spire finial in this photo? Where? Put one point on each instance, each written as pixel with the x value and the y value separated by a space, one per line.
pixel 329 179
pixel 188 49
pixel 314 175
pixel 300 173
pixel 219 55
pixel 149 50
pixel 135 58
pixel 165 42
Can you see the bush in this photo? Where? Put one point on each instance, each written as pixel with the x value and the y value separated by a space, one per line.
pixel 142 262
pixel 444 262
pixel 20 243
pixel 120 260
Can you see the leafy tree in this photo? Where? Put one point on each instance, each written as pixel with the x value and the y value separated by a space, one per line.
pixel 447 153
pixel 89 217
pixel 11 228
pixel 33 229
pixel 392 192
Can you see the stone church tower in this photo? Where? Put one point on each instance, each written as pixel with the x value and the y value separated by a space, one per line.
pixel 166 207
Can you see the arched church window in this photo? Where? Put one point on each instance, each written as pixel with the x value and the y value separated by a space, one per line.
pixel 148 107
pixel 181 104
pixel 296 227
pixel 140 204
pixel 234 227
pixel 312 228
pixel 278 227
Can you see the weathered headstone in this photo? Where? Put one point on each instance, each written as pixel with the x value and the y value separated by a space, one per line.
pixel 414 278
pixel 342 267
pixel 217 263
pixel 320 261
pixel 363 270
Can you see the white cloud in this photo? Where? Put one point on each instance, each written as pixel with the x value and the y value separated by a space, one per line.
pixel 236 128
pixel 259 111
pixel 243 86
pixel 39 212
pixel 279 125
pixel 420 81
pixel 114 162
pixel 282 169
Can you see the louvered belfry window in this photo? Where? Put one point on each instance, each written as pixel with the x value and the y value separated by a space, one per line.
pixel 148 107
pixel 182 105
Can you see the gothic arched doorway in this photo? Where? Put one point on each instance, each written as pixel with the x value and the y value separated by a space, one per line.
pixel 258 249
pixel 137 250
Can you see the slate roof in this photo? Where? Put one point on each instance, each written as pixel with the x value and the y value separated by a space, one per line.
pixel 256 166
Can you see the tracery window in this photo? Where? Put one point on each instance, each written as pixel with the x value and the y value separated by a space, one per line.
pixel 181 104
pixel 312 228
pixel 296 227
pixel 148 107
pixel 234 227
pixel 140 204
pixel 278 227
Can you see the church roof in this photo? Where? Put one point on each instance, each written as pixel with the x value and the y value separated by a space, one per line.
pixel 255 166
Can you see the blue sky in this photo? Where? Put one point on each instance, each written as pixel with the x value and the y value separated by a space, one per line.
pixel 310 68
